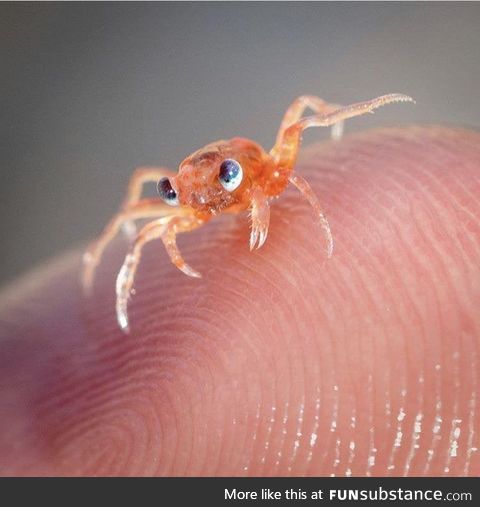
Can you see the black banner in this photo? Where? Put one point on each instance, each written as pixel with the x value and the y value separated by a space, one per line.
pixel 238 491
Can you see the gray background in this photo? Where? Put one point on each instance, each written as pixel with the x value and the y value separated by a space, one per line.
pixel 89 91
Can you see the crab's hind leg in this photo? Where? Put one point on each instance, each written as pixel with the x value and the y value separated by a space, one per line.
pixel 285 150
pixel 165 228
pixel 146 208
pixel 298 107
pixel 306 190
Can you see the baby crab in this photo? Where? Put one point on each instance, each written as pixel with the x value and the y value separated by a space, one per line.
pixel 223 177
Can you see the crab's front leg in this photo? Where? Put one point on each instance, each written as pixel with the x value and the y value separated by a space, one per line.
pixel 169 237
pixel 165 228
pixel 260 216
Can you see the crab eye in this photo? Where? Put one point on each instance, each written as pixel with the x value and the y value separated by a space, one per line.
pixel 166 192
pixel 230 175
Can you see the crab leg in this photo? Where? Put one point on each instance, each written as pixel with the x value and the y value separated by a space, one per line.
pixel 146 208
pixel 299 106
pixel 165 228
pixel 260 214
pixel 285 151
pixel 306 190
pixel 139 178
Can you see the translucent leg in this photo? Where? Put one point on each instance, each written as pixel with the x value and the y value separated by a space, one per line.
pixel 285 151
pixel 344 113
pixel 176 226
pixel 299 106
pixel 146 208
pixel 309 194
pixel 165 228
pixel 140 177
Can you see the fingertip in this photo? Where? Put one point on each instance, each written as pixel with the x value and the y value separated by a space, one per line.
pixel 277 362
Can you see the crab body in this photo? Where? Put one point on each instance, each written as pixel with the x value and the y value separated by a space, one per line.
pixel 227 176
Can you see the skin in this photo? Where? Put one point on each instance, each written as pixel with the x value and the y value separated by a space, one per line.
pixel 281 361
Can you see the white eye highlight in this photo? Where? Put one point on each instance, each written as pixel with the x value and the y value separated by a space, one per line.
pixel 230 175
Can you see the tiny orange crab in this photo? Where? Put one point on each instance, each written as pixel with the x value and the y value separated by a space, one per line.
pixel 222 177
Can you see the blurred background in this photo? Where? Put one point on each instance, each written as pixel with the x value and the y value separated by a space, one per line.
pixel 89 91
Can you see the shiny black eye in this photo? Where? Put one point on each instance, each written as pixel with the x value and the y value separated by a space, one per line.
pixel 230 175
pixel 166 192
